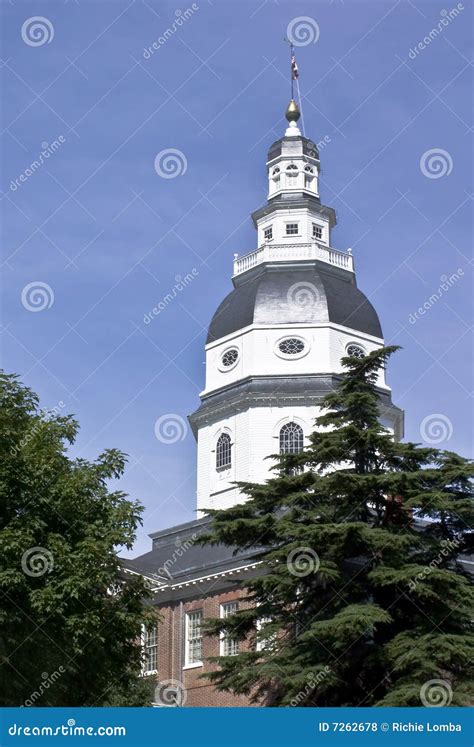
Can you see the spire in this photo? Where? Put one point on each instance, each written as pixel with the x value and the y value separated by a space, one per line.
pixel 292 114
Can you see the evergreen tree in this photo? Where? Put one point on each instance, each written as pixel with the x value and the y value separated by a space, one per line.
pixel 361 599
pixel 69 623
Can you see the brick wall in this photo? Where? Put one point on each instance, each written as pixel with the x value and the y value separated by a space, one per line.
pixel 171 649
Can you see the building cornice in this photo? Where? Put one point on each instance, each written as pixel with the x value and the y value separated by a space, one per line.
pixel 215 581
pixel 210 577
pixel 293 202
pixel 275 390
pixel 356 334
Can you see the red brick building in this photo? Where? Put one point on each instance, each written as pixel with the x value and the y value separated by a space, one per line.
pixel 191 583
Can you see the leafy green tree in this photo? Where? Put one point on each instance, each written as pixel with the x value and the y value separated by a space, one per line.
pixel 69 621
pixel 356 603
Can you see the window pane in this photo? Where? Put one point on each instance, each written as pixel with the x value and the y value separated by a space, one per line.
pixel 229 646
pixel 266 643
pixel 230 357
pixel 291 346
pixel 355 351
pixel 194 638
pixel 223 452
pixel 150 649
pixel 229 609
pixel 291 439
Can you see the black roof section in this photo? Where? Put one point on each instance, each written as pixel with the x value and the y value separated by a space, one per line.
pixel 177 558
pixel 266 299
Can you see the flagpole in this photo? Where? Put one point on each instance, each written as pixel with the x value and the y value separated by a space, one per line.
pixel 301 105
pixel 291 71
pixel 294 76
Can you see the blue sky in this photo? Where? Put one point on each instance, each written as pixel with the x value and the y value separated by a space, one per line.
pixel 108 236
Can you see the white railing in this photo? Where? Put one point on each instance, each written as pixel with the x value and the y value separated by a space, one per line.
pixel 289 252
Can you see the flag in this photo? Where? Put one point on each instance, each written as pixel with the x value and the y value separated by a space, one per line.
pixel 294 68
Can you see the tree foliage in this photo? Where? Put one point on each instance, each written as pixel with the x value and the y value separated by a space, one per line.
pixel 362 600
pixel 69 622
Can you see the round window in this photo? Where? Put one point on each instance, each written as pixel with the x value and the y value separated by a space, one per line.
pixel 230 358
pixel 291 346
pixel 355 351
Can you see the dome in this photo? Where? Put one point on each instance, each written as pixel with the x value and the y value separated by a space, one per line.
pixel 299 296
pixel 308 147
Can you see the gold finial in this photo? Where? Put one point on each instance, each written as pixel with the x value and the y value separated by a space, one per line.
pixel 292 113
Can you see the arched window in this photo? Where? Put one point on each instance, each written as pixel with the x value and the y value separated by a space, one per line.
pixel 291 439
pixel 291 174
pixel 308 176
pixel 223 452
pixel 276 177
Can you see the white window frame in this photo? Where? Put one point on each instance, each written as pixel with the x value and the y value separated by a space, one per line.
pixel 293 233
pixel 265 231
pixel 227 609
pixel 315 229
pixel 291 176
pixel 263 645
pixel 288 441
pixel 146 646
pixel 187 652
pixel 228 349
pixel 275 178
pixel 308 176
pixel 356 345
pixel 287 356
pixel 226 451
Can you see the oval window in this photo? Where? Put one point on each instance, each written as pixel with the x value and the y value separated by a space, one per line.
pixel 291 346
pixel 355 351
pixel 230 358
